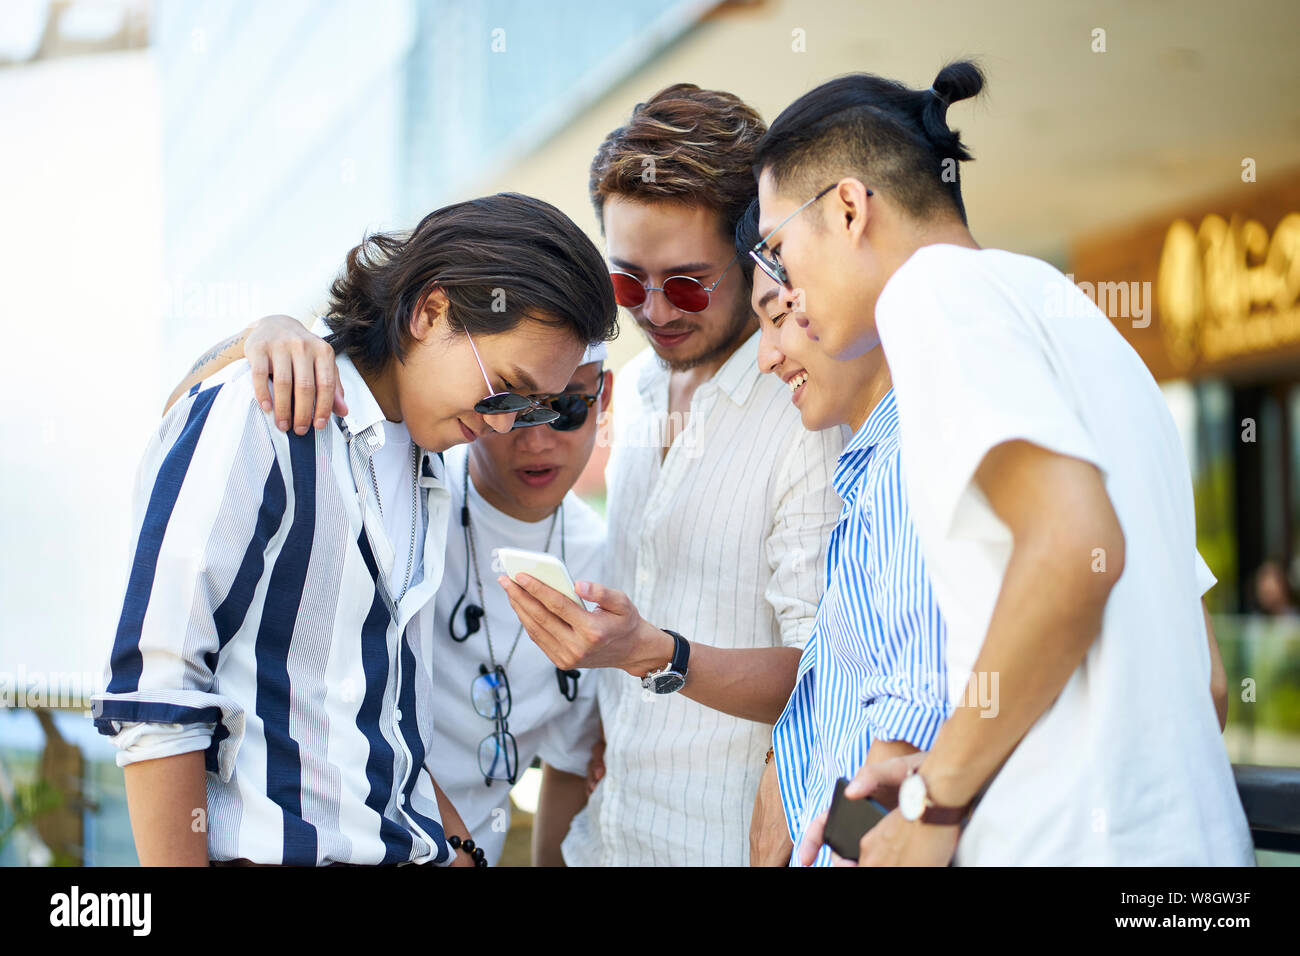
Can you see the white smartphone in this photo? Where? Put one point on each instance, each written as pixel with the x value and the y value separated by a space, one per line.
pixel 546 568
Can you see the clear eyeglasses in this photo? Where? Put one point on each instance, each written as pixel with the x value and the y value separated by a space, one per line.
pixel 498 754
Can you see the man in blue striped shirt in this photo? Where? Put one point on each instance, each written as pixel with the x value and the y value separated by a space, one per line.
pixel 871 680
pixel 271 701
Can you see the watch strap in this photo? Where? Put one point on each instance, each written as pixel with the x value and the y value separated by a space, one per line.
pixel 681 652
pixel 935 814
pixel 944 816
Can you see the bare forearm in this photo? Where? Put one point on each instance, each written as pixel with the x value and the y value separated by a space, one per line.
pixel 451 823
pixel 769 836
pixel 213 360
pixel 168 802
pixel 753 683
pixel 562 796
pixel 1047 616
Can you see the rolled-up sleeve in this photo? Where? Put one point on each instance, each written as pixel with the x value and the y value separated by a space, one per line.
pixel 807 508
pixel 140 741
pixel 905 695
pixel 209 500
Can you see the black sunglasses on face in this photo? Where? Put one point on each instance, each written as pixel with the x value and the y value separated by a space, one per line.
pixel 572 407
pixel 527 411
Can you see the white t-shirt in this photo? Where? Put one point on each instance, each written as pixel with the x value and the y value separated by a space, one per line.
pixel 1127 766
pixel 541 720
pixel 394 475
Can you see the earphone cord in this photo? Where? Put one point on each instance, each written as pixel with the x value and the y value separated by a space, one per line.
pixel 471 559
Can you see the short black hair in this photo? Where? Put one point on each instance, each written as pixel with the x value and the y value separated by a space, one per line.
pixel 747 234
pixel 894 138
pixel 498 259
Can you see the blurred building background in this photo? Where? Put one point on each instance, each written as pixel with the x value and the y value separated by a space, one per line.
pixel 176 168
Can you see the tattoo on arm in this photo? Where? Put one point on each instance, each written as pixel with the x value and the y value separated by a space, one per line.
pixel 216 350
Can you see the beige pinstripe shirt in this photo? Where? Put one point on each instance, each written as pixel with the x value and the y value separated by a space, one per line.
pixel 723 540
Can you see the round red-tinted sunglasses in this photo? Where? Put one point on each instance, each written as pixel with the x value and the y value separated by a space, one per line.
pixel 682 292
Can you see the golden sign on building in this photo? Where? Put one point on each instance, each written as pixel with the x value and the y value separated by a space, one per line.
pixel 1227 288
pixel 1225 272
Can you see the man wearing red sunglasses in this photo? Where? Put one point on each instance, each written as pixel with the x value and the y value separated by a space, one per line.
pixel 719 509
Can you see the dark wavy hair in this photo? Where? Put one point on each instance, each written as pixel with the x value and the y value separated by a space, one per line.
pixel 498 259
pixel 685 145
pixel 893 138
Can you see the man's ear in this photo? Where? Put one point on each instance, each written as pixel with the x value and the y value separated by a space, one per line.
pixel 606 393
pixel 854 208
pixel 430 315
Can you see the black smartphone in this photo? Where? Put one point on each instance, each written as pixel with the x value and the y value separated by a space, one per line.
pixel 849 820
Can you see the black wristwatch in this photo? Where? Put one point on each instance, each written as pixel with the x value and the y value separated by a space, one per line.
pixel 672 677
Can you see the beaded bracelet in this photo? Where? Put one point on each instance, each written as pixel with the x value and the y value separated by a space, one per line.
pixel 475 852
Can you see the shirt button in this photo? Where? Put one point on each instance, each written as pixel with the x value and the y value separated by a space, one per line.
pixel 397 714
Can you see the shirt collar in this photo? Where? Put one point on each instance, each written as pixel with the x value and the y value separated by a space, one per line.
pixel 857 454
pixel 735 379
pixel 738 374
pixel 365 419
pixel 363 411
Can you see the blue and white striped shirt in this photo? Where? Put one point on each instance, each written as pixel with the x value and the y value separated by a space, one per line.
pixel 873 668
pixel 259 627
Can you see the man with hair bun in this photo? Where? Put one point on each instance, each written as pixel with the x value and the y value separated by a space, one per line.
pixel 1051 497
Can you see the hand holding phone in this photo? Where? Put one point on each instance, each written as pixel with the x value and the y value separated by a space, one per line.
pixel 848 821
pixel 546 568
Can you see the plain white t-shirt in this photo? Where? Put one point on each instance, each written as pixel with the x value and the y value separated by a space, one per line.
pixel 1127 766
pixel 542 721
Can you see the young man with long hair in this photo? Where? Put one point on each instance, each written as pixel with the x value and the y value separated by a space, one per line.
pixel 268 685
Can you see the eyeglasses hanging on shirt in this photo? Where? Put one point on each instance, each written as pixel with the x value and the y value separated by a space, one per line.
pixel 475 617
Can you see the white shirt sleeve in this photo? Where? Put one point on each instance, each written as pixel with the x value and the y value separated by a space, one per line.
pixel 1205 578
pixel 971 371
pixel 807 508
pixel 570 737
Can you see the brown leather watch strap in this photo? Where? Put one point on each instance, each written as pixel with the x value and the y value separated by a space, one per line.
pixel 944 816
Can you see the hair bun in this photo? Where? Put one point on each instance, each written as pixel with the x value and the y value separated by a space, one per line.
pixel 956 81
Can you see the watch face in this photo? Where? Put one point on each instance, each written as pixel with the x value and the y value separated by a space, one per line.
pixel 668 683
pixel 911 797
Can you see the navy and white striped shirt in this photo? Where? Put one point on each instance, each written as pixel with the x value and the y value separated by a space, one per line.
pixel 258 626
pixel 873 668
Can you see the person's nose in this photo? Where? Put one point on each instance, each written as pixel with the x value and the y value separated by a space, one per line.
pixel 536 439
pixel 501 423
pixel 770 356
pixel 658 310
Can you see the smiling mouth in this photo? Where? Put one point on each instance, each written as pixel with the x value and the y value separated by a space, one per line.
pixel 796 384
pixel 667 336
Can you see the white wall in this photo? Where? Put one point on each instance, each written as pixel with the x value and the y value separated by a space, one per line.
pixel 80 254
